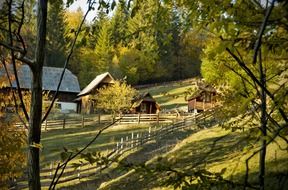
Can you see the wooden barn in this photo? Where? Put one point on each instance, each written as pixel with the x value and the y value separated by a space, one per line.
pixel 204 98
pixel 51 75
pixel 85 96
pixel 145 103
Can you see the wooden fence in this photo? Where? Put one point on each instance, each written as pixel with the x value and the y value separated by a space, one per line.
pixel 154 118
pixel 126 143
pixel 82 120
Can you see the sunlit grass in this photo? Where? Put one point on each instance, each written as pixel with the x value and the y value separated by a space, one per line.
pixel 213 149
pixel 172 95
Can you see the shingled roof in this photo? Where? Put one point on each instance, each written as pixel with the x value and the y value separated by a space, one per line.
pixel 50 80
pixel 95 82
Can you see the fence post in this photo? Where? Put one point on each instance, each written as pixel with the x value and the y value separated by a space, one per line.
pixel 45 125
pixel 126 144
pixel 149 132
pixel 120 117
pixel 51 168
pixel 121 144
pixel 139 115
pixel 113 118
pixel 78 175
pixel 82 121
pixel 117 147
pixel 132 136
pixel 64 121
pixel 158 118
pixel 137 141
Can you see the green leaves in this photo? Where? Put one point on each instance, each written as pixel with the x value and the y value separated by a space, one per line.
pixel 115 98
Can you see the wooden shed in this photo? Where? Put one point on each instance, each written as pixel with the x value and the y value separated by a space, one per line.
pixel 145 103
pixel 204 98
pixel 85 96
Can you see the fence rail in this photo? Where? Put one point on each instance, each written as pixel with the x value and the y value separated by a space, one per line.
pixel 126 143
pixel 126 118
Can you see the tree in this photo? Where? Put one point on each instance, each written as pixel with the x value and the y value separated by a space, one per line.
pixel 103 49
pixel 143 31
pixel 119 24
pixel 14 49
pixel 73 21
pixel 13 139
pixel 56 34
pixel 116 98
pixel 246 65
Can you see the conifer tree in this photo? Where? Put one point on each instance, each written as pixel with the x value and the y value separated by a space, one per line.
pixel 56 34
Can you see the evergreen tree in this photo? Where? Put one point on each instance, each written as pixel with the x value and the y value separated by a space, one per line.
pixel 143 31
pixel 103 49
pixel 119 24
pixel 56 34
pixel 96 26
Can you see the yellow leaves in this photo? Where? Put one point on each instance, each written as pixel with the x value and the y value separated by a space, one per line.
pixel 115 98
pixel 12 157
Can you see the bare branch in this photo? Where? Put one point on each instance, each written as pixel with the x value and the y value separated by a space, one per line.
pixel 253 77
pixel 71 157
pixel 261 32
pixel 14 48
pixel 24 59
pixel 14 63
pixel 90 5
pixel 13 94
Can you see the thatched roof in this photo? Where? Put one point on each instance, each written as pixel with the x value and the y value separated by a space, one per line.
pixel 50 79
pixel 103 78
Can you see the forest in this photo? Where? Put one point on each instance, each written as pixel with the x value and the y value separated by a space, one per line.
pixel 238 47
pixel 148 43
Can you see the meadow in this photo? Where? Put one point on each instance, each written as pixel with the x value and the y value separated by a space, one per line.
pixel 212 149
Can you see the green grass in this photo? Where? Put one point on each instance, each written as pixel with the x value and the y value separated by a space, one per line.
pixel 171 95
pixel 212 149
pixel 76 137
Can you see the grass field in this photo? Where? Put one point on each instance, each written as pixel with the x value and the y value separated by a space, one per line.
pixel 213 149
pixel 172 95
pixel 76 137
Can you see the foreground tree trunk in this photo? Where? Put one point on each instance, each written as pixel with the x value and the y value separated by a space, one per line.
pixel 36 99
pixel 263 127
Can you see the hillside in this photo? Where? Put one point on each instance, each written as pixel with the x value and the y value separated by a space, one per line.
pixel 190 153
pixel 212 151
pixel 172 95
pixel 215 150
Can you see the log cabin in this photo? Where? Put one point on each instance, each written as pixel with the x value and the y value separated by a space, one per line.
pixel 203 99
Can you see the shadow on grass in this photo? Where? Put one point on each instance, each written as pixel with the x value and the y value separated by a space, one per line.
pixel 194 152
pixel 141 155
pixel 77 137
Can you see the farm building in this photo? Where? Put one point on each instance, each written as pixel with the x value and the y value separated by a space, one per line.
pixel 145 103
pixel 204 98
pixel 51 75
pixel 85 96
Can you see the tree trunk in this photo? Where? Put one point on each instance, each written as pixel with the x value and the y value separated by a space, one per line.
pixel 36 99
pixel 263 126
